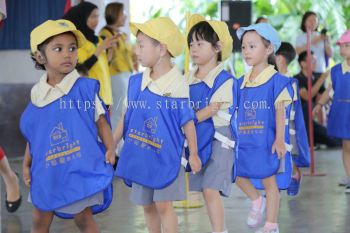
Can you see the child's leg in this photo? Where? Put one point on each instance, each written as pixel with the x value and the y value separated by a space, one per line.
pixel 152 218
pixel 246 186
pixel 41 221
pixel 346 156
pixel 215 209
pixel 272 199
pixel 85 222
pixel 10 179
pixel 167 216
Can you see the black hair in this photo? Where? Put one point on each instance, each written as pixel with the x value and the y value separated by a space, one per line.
pixel 287 51
pixel 260 18
pixel 82 69
pixel 203 31
pixel 42 47
pixel 305 16
pixel 271 60
pixel 302 56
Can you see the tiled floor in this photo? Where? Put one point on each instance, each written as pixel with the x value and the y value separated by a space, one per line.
pixel 321 207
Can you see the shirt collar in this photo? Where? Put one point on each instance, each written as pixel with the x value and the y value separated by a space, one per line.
pixel 41 90
pixel 162 82
pixel 345 67
pixel 209 79
pixel 262 78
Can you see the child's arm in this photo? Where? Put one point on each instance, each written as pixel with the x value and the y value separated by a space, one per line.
pixel 105 133
pixel 323 100
pixel 118 133
pixel 208 111
pixel 191 137
pixel 27 163
pixel 279 145
pixel 304 94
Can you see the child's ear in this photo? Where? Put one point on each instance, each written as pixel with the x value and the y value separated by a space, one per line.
pixel 163 49
pixel 270 49
pixel 218 46
pixel 39 58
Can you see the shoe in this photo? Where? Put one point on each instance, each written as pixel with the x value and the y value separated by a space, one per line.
pixel 265 230
pixel 255 216
pixel 343 181
pixel 294 187
pixel 12 206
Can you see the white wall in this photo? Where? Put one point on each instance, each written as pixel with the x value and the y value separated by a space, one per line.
pixel 16 66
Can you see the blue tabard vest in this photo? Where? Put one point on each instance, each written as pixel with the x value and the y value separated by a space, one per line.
pixel 68 161
pixel 200 96
pixel 153 139
pixel 339 114
pixel 256 132
pixel 302 159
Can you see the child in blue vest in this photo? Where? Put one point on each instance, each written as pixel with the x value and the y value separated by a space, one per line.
pixel 297 130
pixel 67 167
pixel 158 112
pixel 339 114
pixel 261 122
pixel 210 44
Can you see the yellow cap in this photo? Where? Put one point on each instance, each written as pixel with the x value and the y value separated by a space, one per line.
pixel 164 30
pixel 220 28
pixel 52 28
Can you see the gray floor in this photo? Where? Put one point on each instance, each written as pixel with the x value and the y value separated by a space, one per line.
pixel 321 207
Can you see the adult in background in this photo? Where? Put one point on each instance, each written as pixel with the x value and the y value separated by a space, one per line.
pixel 320 42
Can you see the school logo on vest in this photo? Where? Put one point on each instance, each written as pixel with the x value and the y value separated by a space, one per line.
pixel 150 125
pixel 145 138
pixel 58 135
pixel 250 114
pixel 62 148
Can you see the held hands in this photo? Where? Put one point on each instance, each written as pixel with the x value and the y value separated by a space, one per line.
pixel 195 163
pixel 215 107
pixel 317 109
pixel 26 176
pixel 110 42
pixel 110 157
pixel 280 148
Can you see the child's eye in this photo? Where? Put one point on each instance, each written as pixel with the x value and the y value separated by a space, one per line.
pixel 57 49
pixel 243 47
pixel 72 49
pixel 251 46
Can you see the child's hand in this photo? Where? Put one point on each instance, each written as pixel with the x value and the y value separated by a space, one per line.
pixel 195 163
pixel 317 109
pixel 280 148
pixel 110 157
pixel 215 107
pixel 26 176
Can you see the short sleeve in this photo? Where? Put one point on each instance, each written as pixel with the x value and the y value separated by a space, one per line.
pixel 284 96
pixel 224 95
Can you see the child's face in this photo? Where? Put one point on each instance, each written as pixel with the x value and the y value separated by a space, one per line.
pixel 148 53
pixel 304 65
pixel 254 50
pixel 202 51
pixel 345 50
pixel 61 54
pixel 92 21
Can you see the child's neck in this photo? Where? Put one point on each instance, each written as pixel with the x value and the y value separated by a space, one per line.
pixel 161 68
pixel 347 61
pixel 54 78
pixel 283 70
pixel 114 27
pixel 257 69
pixel 204 69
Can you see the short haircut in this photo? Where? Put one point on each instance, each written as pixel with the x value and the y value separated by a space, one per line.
pixel 112 12
pixel 287 51
pixel 302 56
pixel 203 31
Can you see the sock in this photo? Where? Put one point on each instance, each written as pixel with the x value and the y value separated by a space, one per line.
pixel 270 225
pixel 257 203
